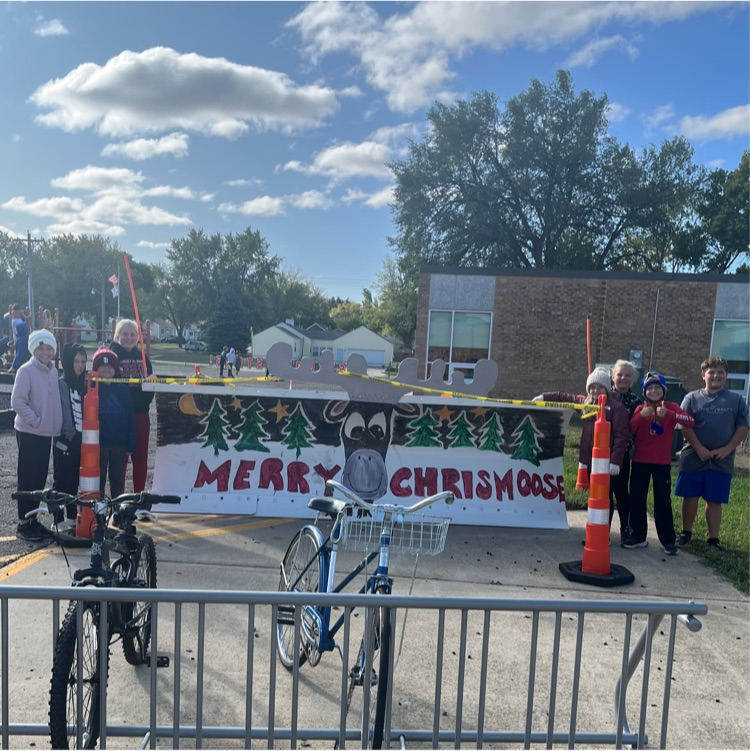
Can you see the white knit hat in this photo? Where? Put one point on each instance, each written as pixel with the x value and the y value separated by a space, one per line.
pixel 41 336
pixel 600 376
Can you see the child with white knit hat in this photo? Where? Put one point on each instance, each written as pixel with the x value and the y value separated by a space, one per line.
pixel 36 401
pixel 599 384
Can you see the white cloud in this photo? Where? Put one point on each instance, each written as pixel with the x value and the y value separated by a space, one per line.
pixel 311 199
pixel 53 28
pixel 161 90
pixel 659 118
pixel 114 198
pixel 175 144
pixel 727 124
pixel 617 112
pixel 242 182
pixel 591 52
pixel 347 160
pixel 408 55
pixel 151 245
pixel 261 206
pixel 376 200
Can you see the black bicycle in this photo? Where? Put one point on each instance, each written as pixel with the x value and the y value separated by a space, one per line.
pixel 120 557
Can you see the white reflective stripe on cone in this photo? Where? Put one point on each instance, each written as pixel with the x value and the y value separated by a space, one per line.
pixel 600 466
pixel 598 516
pixel 90 437
pixel 581 465
pixel 88 484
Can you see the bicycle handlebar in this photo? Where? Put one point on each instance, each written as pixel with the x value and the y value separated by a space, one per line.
pixel 446 496
pixel 56 500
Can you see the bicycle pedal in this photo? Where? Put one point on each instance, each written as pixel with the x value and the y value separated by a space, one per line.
pixel 357 678
pixel 162 661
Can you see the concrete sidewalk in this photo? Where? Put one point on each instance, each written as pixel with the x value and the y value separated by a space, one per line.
pixel 710 701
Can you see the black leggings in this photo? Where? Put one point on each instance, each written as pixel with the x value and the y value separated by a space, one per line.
pixel 640 478
pixel 32 467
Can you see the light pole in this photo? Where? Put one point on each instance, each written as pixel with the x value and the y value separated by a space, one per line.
pixel 94 291
pixel 653 329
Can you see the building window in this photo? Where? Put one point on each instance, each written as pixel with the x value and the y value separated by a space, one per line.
pixel 731 340
pixel 318 351
pixel 459 338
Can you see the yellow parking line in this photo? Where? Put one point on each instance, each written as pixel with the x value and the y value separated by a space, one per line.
pixel 221 530
pixel 23 563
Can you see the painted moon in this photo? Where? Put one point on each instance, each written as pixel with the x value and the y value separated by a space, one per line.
pixel 187 405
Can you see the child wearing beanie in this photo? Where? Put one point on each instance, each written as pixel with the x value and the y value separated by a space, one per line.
pixel 598 384
pixel 653 425
pixel 117 434
pixel 36 402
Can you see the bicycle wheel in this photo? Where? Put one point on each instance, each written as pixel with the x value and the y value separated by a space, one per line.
pixel 378 644
pixel 137 615
pixel 63 695
pixel 302 550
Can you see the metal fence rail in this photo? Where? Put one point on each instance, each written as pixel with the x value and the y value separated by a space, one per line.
pixel 473 671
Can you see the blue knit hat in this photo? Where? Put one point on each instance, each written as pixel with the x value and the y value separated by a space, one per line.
pixel 651 378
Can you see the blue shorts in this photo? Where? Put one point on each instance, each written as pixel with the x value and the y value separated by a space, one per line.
pixel 709 484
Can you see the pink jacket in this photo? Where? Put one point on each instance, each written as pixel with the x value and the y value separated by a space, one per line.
pixel 36 399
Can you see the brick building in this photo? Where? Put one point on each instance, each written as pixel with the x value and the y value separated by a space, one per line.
pixel 533 324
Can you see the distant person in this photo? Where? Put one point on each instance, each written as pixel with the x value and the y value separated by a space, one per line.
pixel 36 402
pixel 707 457
pixel 230 362
pixel 15 313
pixel 66 451
pixel 223 361
pixel 237 364
pixel 20 341
pixel 117 430
pixel 131 360
pixel 653 425
pixel 623 375
pixel 599 384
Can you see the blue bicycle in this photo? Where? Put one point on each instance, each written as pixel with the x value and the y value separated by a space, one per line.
pixel 310 566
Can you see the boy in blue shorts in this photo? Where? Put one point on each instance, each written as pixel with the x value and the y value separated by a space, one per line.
pixel 707 458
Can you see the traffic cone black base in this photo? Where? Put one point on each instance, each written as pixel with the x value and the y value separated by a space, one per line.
pixel 618 575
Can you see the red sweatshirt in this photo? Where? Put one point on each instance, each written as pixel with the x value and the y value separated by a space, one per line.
pixel 657 449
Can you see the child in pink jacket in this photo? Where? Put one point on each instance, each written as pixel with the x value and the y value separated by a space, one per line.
pixel 653 425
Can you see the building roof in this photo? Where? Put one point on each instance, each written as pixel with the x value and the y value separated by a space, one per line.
pixel 654 276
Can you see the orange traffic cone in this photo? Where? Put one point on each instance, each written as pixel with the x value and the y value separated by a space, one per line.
pixel 89 473
pixel 596 567
pixel 582 480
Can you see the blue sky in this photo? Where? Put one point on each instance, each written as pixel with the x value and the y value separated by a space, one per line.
pixel 140 120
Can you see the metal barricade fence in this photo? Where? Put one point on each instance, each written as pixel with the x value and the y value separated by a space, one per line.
pixel 467 671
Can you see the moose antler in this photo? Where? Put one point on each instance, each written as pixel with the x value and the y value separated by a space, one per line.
pixel 279 358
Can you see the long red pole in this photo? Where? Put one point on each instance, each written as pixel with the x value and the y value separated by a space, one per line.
pixel 137 315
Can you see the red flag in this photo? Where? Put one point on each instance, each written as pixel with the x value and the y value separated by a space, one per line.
pixel 113 279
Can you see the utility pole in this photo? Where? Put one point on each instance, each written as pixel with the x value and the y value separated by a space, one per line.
pixel 30 243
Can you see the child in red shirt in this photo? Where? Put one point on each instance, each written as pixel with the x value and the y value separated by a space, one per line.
pixel 653 425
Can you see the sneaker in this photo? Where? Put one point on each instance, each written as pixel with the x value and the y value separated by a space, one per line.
pixel 631 542
pixel 28 532
pixel 684 539
pixel 714 545
pixel 670 549
pixel 45 532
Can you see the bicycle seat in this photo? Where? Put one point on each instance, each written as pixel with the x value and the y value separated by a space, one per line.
pixel 331 506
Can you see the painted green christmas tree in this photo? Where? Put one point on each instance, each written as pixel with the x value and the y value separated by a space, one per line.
pixel 251 430
pixel 491 434
pixel 461 432
pixel 298 431
pixel 216 428
pixel 425 431
pixel 525 440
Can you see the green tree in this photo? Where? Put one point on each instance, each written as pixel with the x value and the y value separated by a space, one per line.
pixel 461 432
pixel 227 326
pixel 13 279
pixel 538 184
pixel 347 315
pixel 286 294
pixel 217 428
pixel 395 309
pixel 491 434
pixel 251 429
pixel 425 431
pixel 526 440
pixel 298 431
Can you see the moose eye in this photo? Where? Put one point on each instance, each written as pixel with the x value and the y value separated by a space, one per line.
pixel 377 426
pixel 354 427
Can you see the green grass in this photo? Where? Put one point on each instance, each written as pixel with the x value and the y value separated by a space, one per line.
pixel 733 563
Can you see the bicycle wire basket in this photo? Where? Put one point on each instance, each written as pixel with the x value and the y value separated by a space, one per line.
pixel 416 534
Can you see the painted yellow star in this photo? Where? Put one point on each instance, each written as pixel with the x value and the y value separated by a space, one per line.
pixel 480 411
pixel 236 403
pixel 444 414
pixel 280 410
